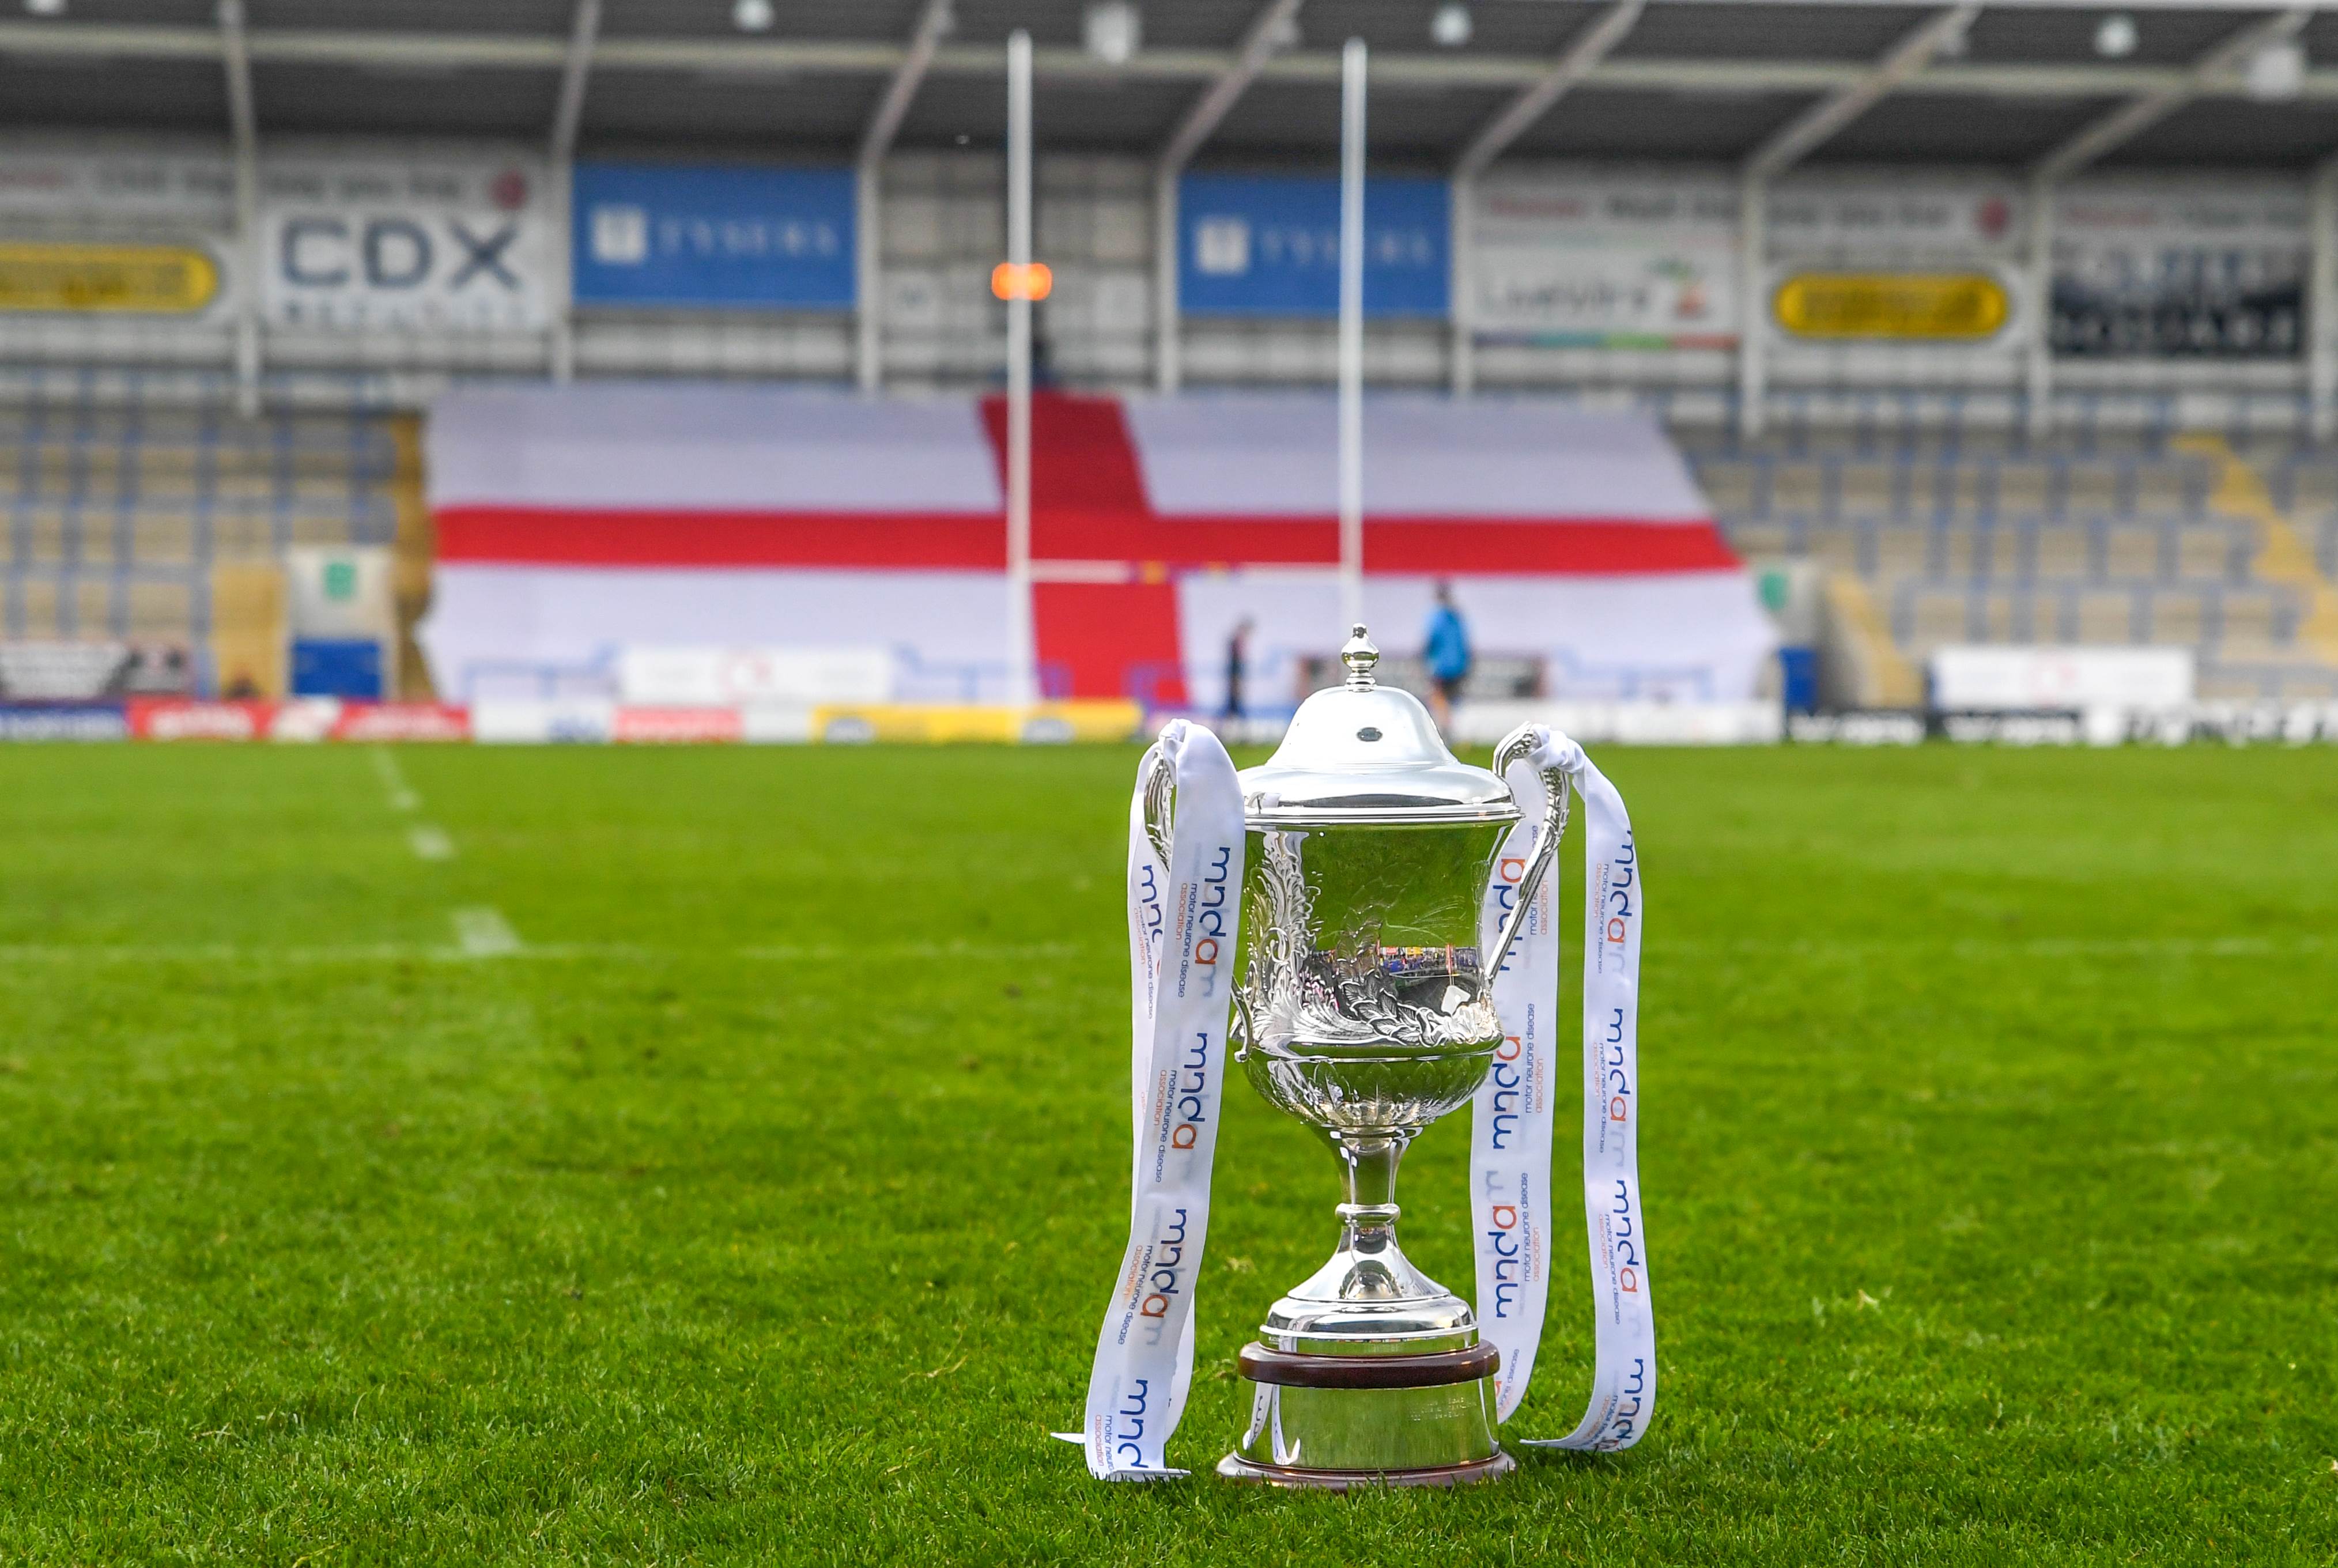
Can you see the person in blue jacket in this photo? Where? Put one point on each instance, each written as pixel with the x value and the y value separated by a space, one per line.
pixel 1447 655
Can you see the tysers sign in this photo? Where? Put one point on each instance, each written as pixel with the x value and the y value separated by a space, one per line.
pixel 429 242
pixel 1269 245
pixel 729 237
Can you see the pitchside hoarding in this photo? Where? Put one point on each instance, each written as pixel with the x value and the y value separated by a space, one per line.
pixel 721 237
pixel 1269 245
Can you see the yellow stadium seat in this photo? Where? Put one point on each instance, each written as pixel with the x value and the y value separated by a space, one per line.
pixel 160 609
pixel 2203 553
pixel 162 538
pixel 93 608
pixel 1957 552
pixel 1903 551
pixel 45 533
pixel 2177 615
pixel 40 606
pixel 239 536
pixel 2106 615
pixel 1728 486
pixel 1758 539
pixel 2023 487
pixel 1838 547
pixel 1795 486
pixel 1939 617
pixel 317 528
pixel 1866 487
pixel 2248 618
pixel 2060 550
pixel 2130 550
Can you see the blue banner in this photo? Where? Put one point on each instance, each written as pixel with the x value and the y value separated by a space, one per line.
pixel 63 721
pixel 1269 245
pixel 721 236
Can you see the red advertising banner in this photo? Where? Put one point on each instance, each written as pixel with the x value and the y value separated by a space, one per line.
pixel 682 725
pixel 402 721
pixel 187 718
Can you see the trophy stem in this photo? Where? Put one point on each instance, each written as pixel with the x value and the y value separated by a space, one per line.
pixel 1376 1268
pixel 1368 1164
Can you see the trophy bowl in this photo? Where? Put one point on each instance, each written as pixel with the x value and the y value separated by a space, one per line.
pixel 1364 1007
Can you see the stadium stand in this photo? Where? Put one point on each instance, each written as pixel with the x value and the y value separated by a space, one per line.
pixel 1958 536
pixel 1986 225
pixel 164 521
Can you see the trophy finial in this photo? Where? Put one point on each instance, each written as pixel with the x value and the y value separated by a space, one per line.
pixel 1360 655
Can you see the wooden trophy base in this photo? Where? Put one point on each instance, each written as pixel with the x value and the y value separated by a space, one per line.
pixel 1336 1422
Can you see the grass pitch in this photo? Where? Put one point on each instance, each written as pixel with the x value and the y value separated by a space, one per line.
pixel 762 1204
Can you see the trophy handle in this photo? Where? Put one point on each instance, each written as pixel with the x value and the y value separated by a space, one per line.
pixel 1160 799
pixel 1160 820
pixel 1516 748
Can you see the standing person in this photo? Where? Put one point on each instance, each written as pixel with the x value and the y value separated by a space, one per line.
pixel 1446 654
pixel 1237 661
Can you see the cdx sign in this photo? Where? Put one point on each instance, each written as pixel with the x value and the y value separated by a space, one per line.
pixel 454 242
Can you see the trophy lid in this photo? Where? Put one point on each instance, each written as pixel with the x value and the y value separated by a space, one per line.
pixel 1367 755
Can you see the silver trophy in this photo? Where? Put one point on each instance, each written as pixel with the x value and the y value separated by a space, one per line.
pixel 1365 1008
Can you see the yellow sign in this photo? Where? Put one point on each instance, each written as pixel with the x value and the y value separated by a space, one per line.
pixel 1936 307
pixel 147 280
pixel 1090 719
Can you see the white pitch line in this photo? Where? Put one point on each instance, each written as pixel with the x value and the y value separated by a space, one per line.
pixel 402 797
pixel 482 932
pixel 430 843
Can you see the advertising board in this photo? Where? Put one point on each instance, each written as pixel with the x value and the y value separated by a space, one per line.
pixel 2006 678
pixel 352 237
pixel 122 184
pixel 419 238
pixel 1858 219
pixel 683 677
pixel 2185 268
pixel 1863 259
pixel 46 277
pixel 1605 260
pixel 1269 245
pixel 116 232
pixel 63 721
pixel 1964 307
pixel 718 236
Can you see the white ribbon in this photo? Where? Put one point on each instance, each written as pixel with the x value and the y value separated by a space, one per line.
pixel 1510 1136
pixel 1183 919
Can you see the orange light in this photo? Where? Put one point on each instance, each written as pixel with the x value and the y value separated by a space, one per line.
pixel 1033 281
